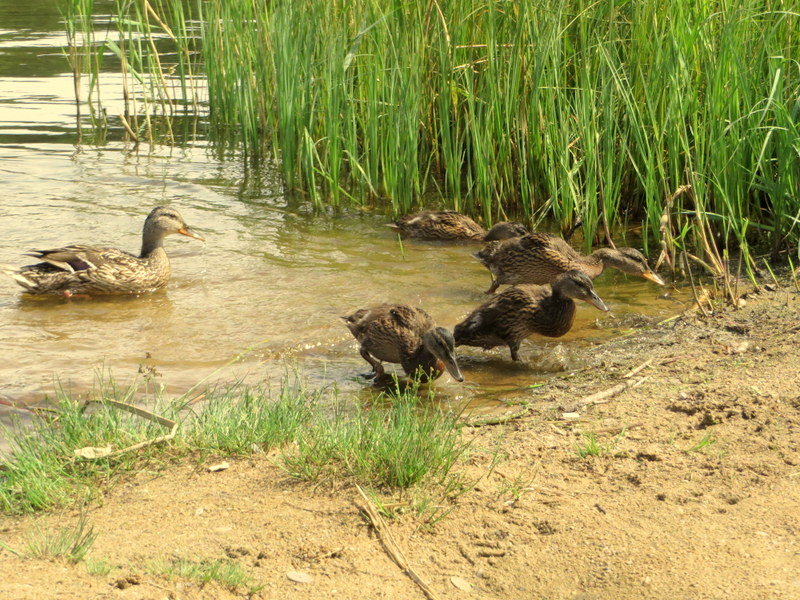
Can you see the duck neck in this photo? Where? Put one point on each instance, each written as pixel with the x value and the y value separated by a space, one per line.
pixel 151 242
pixel 556 313
pixel 423 360
pixel 594 264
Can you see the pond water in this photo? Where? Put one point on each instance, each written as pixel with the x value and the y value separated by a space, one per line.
pixel 262 295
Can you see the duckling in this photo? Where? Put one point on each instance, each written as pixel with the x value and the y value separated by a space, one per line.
pixel 519 311
pixel 451 225
pixel 86 270
pixel 403 334
pixel 539 258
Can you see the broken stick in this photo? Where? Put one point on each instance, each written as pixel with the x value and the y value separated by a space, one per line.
pixel 392 549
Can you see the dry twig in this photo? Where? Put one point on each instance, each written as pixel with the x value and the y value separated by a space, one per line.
pixel 145 414
pixel 392 549
pixel 498 420
pixel 606 395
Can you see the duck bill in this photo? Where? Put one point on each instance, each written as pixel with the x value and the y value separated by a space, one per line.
pixel 595 301
pixel 650 276
pixel 189 233
pixel 451 365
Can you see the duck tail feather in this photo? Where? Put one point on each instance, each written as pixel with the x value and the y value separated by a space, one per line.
pixel 14 273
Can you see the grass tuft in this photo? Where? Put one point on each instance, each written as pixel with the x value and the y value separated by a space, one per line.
pixel 590 446
pixel 68 543
pixel 242 420
pixel 397 448
pixel 225 572
pixel 704 443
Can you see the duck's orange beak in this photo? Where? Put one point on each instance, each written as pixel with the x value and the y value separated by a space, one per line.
pixel 650 276
pixel 189 233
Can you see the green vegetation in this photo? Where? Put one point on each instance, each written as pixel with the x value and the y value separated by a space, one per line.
pixel 98 567
pixel 704 443
pixel 225 572
pixel 395 448
pixel 398 446
pixel 590 446
pixel 68 543
pixel 541 109
pixel 241 420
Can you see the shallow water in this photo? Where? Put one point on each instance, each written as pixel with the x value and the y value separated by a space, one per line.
pixel 268 286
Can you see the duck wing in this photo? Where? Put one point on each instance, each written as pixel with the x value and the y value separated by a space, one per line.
pixel 87 269
pixel 439 225
pixel 80 257
pixel 390 332
pixel 502 317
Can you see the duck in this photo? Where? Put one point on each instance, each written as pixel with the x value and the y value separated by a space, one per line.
pixel 452 226
pixel 85 270
pixel 520 311
pixel 539 258
pixel 399 333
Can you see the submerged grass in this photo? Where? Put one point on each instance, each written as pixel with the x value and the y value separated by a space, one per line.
pixel 397 446
pixel 543 109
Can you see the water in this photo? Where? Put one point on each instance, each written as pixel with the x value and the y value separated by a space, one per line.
pixel 268 286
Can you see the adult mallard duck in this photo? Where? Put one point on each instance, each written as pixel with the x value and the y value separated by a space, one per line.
pixel 539 258
pixel 403 334
pixel 451 225
pixel 94 270
pixel 520 311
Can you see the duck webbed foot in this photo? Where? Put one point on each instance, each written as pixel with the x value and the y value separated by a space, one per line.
pixel 71 295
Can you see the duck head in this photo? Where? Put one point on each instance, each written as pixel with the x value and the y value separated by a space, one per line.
pixel 578 286
pixel 439 342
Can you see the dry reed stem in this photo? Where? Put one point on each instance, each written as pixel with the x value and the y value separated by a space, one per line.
pixel 641 367
pixel 665 228
pixel 694 289
pixel 392 549
pixel 128 129
pixel 145 414
pixel 498 420
pixel 606 395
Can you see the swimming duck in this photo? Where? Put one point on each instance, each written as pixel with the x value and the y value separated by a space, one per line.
pixel 451 225
pixel 519 311
pixel 93 270
pixel 539 258
pixel 403 334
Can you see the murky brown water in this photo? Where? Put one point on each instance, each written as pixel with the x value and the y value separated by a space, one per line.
pixel 269 284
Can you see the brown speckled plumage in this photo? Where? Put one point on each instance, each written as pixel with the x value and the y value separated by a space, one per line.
pixel 538 258
pixel 520 311
pixel 81 269
pixel 452 226
pixel 403 334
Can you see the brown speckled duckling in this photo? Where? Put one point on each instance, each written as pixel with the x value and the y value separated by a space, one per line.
pixel 86 270
pixel 453 226
pixel 399 333
pixel 539 258
pixel 520 311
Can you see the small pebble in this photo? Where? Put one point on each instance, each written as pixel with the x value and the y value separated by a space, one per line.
pixel 460 583
pixel 299 577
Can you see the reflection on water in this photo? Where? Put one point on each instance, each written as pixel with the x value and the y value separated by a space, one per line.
pixel 271 281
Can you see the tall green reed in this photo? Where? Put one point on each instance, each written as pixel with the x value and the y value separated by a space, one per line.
pixel 543 110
